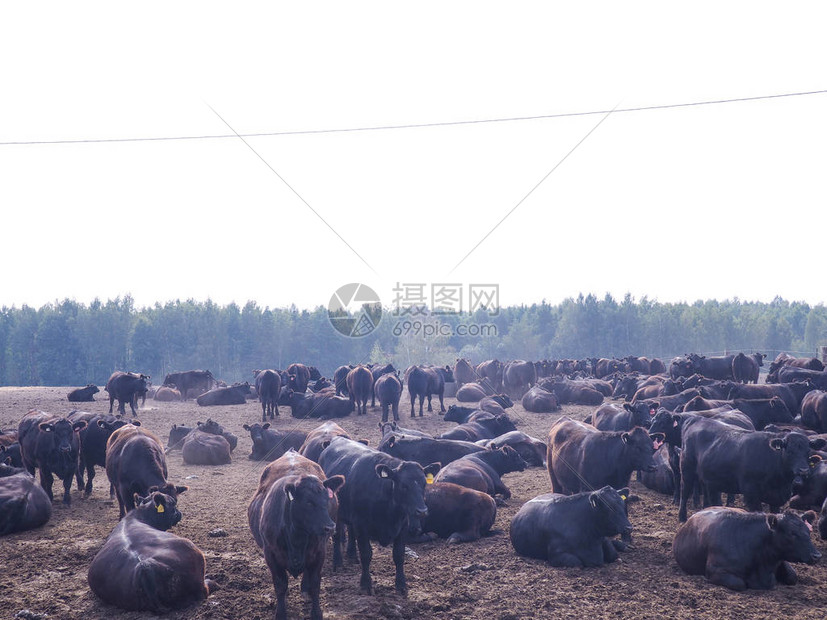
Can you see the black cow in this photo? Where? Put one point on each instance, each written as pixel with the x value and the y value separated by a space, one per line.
pixel 268 386
pixel 538 400
pixel 83 395
pixel 482 471
pixel 745 368
pixel 814 411
pixel 135 464
pixel 319 438
pixel 425 450
pixel 581 458
pixel 291 517
pixel 176 437
pixel 611 417
pixel 321 405
pixel 340 379
pixel 741 550
pixel 378 371
pixel 202 448
pixel 50 444
pixel 532 450
pixel 572 530
pixel 200 380
pixel 383 495
pixel 570 391
pixel 812 491
pixel 464 372
pixel 211 426
pixel 458 513
pixel 762 466
pixel 231 395
pixel 298 377
pixel 474 392
pixel 496 403
pixel 142 567
pixel 719 367
pixel 126 387
pixel 93 440
pixel 662 479
pixel 269 444
pixel 359 388
pixel 518 376
pixel 493 371
pixel 822 521
pixel 24 505
pixel 388 388
pixel 485 426
pixel 424 382
pixel 459 413
pixel 791 393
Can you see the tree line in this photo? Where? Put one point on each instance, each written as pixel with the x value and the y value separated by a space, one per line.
pixel 70 343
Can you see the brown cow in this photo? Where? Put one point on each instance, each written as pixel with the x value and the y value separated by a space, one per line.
pixel 202 448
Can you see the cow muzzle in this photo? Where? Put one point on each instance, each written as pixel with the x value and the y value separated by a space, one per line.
pixel 815 556
pixel 421 513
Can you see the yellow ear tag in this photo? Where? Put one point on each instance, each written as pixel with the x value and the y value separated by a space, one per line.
pixel 623 497
pixel 159 507
pixel 429 479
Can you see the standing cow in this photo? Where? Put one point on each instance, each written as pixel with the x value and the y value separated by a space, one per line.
pixel 388 388
pixel 51 444
pixel 291 517
pixel 126 387
pixel 360 387
pixel 518 376
pixel 196 380
pixel 268 387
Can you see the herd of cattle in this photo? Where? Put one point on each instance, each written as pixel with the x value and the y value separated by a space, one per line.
pixel 701 426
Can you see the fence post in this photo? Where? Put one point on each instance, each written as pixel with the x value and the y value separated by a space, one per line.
pixel 824 354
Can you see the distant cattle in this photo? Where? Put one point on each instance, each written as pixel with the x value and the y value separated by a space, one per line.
pixel 176 436
pixel 126 387
pixel 199 381
pixel 572 530
pixel 359 387
pixel 298 377
pixel 141 567
pixel 611 417
pixel 377 371
pixel 464 372
pixel 474 392
pixel 483 427
pixel 321 405
pixel 741 550
pixel 24 505
pixel 340 379
pixel 269 444
pixel 539 400
pixel 381 499
pixel 50 444
pixel 518 376
pixel 745 367
pixel 426 450
pixel 268 386
pixel 135 463
pixel 231 395
pixel 493 371
pixel 291 517
pixel 458 513
pixel 783 359
pixel 531 449
pixel 388 388
pixel 167 394
pixel 423 382
pixel 569 391
pixel 83 395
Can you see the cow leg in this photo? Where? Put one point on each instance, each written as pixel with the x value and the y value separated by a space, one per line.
pixel 610 553
pixel 90 474
pixel 351 544
pixel 422 404
pixel 723 578
pixel 752 498
pixel 396 411
pixel 430 409
pixel 79 472
pixel 112 403
pixel 466 536
pixel 280 584
pixel 687 485
pixel 562 559
pixel 441 404
pixel 337 545
pixel 413 405
pixel 399 561
pixel 67 490
pixel 263 411
pixel 384 412
pixel 46 481
pixel 365 556
pixel 313 579
pixel 786 574
pixel 111 490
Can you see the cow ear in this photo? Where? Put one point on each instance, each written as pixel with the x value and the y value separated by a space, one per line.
pixel 246 427
pixel 100 423
pixel 777 443
pixel 383 471
pixel 290 489
pixel 79 426
pixel 265 426
pixel 810 517
pixel 392 441
pixel 624 493
pixel 818 443
pixel 181 489
pixel 628 407
pixel 334 483
pixel 814 460
pixel 593 499
pixel 46 427
pixel 325 443
pixel 364 441
pixel 432 469
pixel 135 422
pixel 625 437
pixel 772 521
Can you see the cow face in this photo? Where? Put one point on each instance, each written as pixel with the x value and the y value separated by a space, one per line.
pixel 640 413
pixel 308 501
pixel 609 507
pixel 667 423
pixel 63 435
pixel 795 453
pixel 211 426
pixel 510 460
pixel 791 537
pixel 157 510
pixel 407 482
pixel 640 449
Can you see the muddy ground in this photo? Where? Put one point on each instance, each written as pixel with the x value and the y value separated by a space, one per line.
pixel 44 570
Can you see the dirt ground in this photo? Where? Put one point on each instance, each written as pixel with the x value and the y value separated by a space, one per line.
pixel 44 570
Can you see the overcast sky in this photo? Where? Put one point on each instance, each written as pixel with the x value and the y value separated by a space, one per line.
pixel 711 201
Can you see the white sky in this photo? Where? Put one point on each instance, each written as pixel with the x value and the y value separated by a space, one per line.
pixel 677 204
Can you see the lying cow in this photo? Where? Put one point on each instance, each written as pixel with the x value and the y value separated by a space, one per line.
pixel 319 438
pixel 24 504
pixel 231 395
pixel 482 471
pixel 572 530
pixel 458 513
pixel 83 395
pixel 200 448
pixel 741 550
pixel 269 444
pixel 142 567
pixel 291 517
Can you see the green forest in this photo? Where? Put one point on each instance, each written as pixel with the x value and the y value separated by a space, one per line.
pixel 70 343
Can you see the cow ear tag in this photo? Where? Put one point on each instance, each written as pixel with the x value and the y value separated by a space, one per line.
pixel 623 497
pixel 330 494
pixel 159 507
pixel 289 496
pixel 429 479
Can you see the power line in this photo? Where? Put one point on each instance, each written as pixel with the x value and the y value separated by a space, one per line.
pixel 511 119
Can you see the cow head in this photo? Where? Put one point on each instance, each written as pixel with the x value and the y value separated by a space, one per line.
pixel 64 434
pixel 157 510
pixel 507 459
pixel 795 454
pixel 640 448
pixel 669 424
pixel 609 508
pixel 308 503
pixel 210 426
pixel 791 536
pixel 641 413
pixel 405 484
